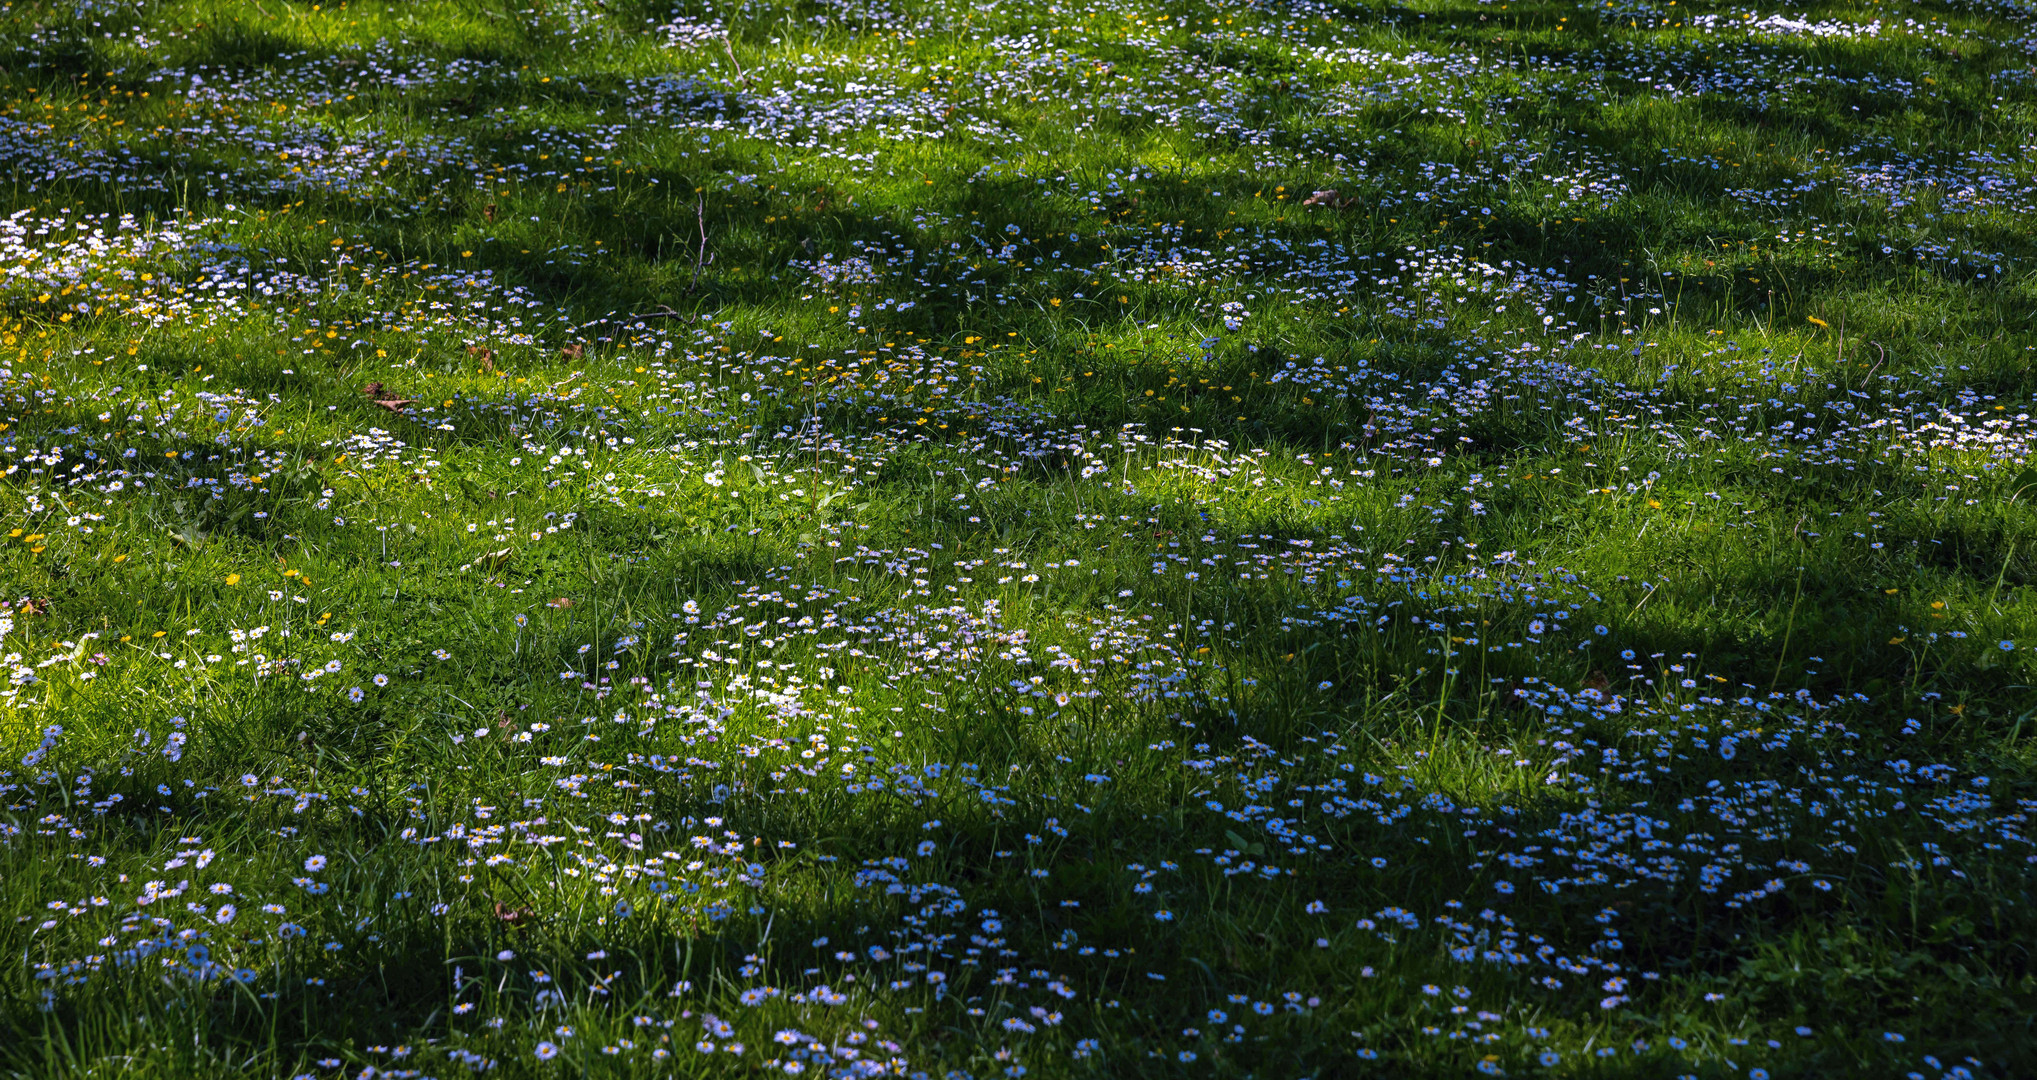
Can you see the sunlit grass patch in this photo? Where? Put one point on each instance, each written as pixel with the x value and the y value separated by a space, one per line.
pixel 906 539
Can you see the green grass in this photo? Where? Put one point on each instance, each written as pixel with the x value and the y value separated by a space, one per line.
pixel 1052 540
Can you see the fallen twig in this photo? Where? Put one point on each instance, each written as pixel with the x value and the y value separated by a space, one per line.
pixel 699 257
pixel 664 312
pixel 731 50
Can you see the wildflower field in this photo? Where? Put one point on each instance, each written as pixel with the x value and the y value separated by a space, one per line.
pixel 988 539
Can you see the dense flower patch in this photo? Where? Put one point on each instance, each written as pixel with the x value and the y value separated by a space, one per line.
pixel 986 540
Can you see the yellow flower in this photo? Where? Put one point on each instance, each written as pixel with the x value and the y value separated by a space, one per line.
pixel 1815 321
pixel 233 579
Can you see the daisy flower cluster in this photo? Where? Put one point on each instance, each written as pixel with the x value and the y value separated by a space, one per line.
pixel 1072 539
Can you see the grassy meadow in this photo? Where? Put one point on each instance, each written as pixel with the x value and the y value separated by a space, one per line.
pixel 1293 538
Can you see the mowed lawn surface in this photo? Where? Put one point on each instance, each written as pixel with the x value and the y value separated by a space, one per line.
pixel 1071 539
